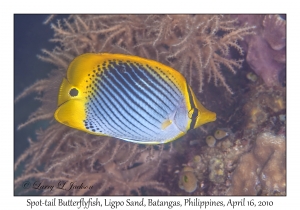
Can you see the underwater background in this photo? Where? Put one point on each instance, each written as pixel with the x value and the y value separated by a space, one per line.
pixel 30 35
pixel 242 153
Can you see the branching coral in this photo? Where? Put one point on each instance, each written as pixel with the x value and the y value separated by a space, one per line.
pixel 198 45
pixel 111 166
pixel 93 33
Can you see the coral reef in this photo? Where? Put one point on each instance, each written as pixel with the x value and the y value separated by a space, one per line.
pixel 221 133
pixel 250 161
pixel 216 170
pixel 214 165
pixel 203 48
pixel 263 170
pixel 210 141
pixel 266 50
pixel 263 109
pixel 188 180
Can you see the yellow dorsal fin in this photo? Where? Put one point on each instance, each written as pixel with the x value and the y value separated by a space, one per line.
pixel 165 124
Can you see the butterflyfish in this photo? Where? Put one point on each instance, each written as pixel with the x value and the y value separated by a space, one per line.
pixel 128 97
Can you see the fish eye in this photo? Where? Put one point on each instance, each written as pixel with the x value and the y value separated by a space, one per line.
pixel 73 92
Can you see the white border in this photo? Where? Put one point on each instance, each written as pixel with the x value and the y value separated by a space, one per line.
pixel 8 8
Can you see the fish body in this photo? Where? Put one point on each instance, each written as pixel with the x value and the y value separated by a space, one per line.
pixel 128 97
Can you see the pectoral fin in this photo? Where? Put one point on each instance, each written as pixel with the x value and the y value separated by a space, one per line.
pixel 166 124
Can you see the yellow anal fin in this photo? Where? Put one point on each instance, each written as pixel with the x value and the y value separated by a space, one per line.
pixel 165 124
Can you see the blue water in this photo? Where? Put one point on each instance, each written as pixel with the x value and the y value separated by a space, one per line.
pixel 30 36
